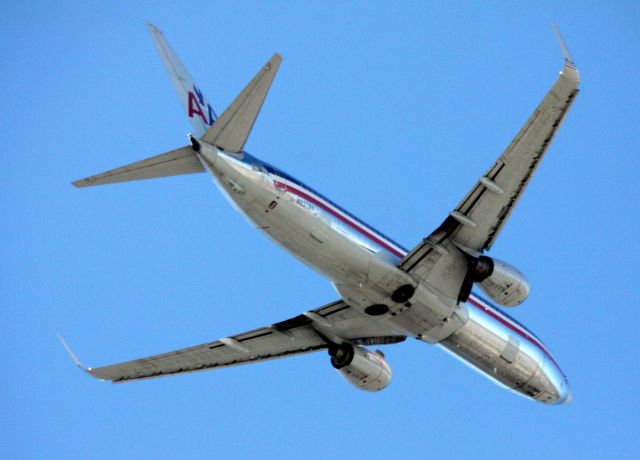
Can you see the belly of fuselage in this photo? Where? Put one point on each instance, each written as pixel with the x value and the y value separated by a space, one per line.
pixel 483 342
pixel 295 224
pixel 505 357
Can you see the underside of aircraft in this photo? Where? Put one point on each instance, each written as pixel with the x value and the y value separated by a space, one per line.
pixel 386 292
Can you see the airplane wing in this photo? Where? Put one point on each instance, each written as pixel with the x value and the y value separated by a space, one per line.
pixel 287 338
pixel 477 220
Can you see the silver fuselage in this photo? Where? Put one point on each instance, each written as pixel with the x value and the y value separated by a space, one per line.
pixel 343 248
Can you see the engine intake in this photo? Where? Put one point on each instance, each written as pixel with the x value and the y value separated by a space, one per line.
pixel 362 368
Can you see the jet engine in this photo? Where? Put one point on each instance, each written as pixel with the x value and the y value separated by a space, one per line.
pixel 502 282
pixel 362 368
pixel 506 285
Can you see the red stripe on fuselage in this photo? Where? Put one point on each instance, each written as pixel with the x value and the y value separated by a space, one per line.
pixel 356 226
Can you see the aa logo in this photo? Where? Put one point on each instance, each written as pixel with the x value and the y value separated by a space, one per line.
pixel 196 105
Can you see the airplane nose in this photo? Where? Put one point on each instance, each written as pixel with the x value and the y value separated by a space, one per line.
pixel 554 384
pixel 568 399
pixel 565 394
pixel 562 390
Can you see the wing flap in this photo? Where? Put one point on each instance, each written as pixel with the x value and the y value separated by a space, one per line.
pixel 180 161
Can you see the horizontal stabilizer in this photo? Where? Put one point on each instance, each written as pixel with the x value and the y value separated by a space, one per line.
pixel 232 128
pixel 176 162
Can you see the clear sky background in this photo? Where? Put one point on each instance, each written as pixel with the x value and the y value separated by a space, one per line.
pixel 392 110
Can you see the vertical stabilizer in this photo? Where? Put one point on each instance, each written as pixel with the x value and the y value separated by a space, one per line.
pixel 200 113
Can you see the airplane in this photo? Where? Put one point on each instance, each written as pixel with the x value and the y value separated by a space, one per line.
pixel 386 292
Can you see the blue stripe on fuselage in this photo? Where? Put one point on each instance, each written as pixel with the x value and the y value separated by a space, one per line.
pixel 250 159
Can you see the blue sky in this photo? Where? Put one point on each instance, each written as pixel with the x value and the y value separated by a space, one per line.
pixel 392 110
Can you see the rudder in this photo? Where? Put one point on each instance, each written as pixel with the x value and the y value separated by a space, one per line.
pixel 201 114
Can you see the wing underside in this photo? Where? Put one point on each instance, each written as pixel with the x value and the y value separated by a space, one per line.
pixel 294 336
pixel 473 226
pixel 475 223
pixel 481 215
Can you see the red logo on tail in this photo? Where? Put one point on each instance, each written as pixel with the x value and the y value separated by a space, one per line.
pixel 194 108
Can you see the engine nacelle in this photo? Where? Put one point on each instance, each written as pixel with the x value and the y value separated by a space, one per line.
pixel 362 368
pixel 506 285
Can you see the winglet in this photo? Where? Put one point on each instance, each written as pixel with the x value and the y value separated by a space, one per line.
pixel 569 63
pixel 74 358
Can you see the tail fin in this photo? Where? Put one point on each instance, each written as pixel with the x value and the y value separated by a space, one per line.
pixel 229 132
pixel 201 114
